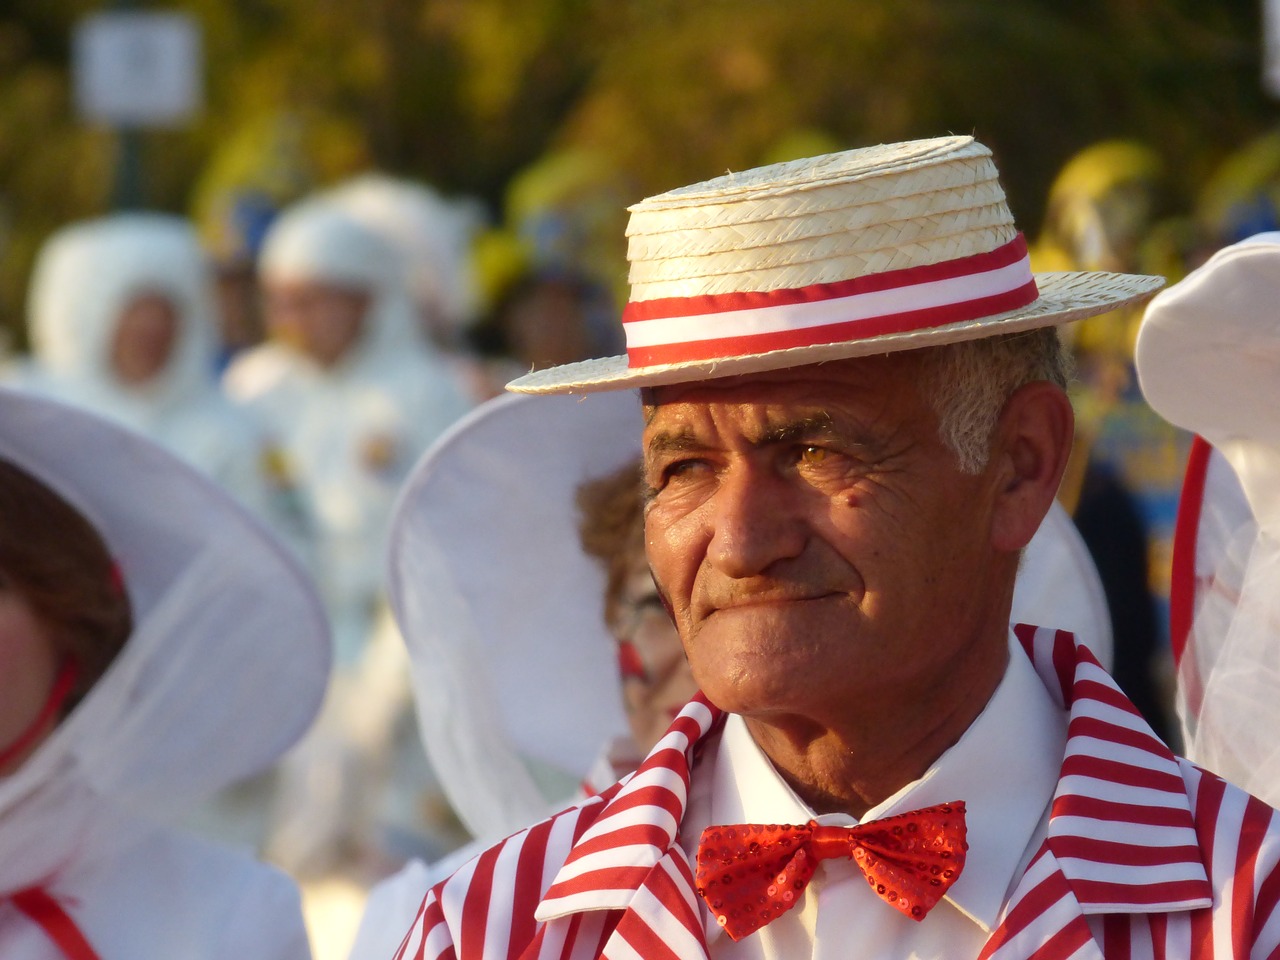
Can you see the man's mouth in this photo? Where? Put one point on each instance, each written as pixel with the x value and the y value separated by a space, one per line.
pixel 773 599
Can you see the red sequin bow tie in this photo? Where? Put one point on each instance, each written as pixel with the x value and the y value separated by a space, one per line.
pixel 750 874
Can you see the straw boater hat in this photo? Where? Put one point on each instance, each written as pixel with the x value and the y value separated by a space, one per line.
pixel 864 252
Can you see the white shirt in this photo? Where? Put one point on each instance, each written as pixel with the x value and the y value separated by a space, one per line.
pixel 159 893
pixel 1005 768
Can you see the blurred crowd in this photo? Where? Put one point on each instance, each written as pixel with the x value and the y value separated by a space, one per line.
pixel 303 348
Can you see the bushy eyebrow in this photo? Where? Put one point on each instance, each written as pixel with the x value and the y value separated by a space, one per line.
pixel 816 427
pixel 674 441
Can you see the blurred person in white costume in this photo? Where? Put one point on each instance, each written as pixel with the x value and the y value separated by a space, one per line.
pixel 1208 360
pixel 353 391
pixel 434 235
pixel 356 394
pixel 157 644
pixel 121 316
pixel 544 665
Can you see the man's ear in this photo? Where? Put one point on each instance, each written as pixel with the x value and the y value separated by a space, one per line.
pixel 1033 441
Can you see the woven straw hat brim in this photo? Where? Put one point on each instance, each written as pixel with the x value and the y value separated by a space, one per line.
pixel 1064 297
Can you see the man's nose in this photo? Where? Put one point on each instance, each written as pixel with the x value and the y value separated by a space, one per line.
pixel 755 522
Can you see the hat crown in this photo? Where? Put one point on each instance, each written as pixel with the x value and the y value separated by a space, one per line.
pixel 808 172
pixel 820 220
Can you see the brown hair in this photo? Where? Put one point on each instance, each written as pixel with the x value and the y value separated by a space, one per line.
pixel 55 559
pixel 611 526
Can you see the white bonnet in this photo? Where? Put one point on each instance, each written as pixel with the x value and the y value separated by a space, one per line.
pixel 431 234
pixel 87 272
pixel 1208 350
pixel 315 240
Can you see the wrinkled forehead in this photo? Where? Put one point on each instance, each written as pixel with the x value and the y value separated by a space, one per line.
pixel 867 397
pixel 868 380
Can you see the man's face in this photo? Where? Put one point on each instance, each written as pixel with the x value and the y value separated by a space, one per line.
pixel 321 320
pixel 143 340
pixel 817 541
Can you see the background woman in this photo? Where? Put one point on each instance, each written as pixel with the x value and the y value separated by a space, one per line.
pixel 156 645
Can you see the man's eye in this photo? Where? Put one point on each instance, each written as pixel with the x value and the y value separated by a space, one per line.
pixel 680 468
pixel 666 473
pixel 813 455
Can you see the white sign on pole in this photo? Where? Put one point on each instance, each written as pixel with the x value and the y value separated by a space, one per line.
pixel 137 68
pixel 1271 47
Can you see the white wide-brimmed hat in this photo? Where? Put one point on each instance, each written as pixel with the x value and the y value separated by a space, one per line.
pixel 864 252
pixel 515 673
pixel 229 655
pixel 1208 360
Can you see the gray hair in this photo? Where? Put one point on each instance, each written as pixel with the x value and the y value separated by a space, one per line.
pixel 969 382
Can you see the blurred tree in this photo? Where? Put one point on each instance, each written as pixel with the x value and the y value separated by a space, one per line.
pixel 466 93
pixel 51 169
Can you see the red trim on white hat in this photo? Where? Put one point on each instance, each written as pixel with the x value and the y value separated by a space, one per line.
pixel 46 912
pixel 1182 586
pixel 677 329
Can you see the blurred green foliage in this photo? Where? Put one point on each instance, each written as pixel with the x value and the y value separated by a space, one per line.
pixel 466 93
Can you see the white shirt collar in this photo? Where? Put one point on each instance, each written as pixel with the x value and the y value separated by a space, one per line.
pixel 1005 767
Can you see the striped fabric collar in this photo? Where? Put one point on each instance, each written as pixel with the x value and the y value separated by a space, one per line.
pixel 1121 826
pixel 638 825
pixel 1120 829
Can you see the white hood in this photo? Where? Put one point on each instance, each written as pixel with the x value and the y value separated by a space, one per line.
pixel 84 277
pixel 225 668
pixel 432 235
pixel 316 241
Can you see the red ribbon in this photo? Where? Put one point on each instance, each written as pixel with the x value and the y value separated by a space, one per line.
pixel 788 328
pixel 48 914
pixel 751 874
pixel 58 694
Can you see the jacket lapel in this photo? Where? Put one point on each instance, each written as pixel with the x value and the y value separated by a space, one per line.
pixel 1121 825
pixel 1043 920
pixel 629 859
pixel 663 917
pixel 1121 837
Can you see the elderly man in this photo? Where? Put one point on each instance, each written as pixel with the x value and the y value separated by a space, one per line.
pixel 855 420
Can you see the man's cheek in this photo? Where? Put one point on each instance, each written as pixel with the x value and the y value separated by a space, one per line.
pixel 666 603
